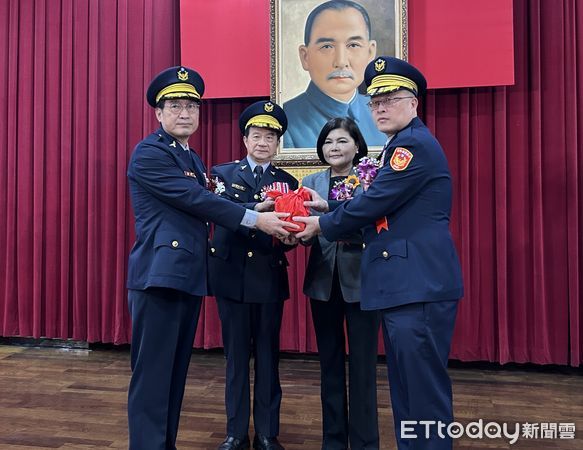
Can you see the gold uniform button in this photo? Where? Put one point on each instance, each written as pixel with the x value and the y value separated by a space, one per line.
pixel 174 244
pixel 385 254
pixel 237 195
pixel 363 245
pixel 249 254
pixel 256 196
pixel 213 249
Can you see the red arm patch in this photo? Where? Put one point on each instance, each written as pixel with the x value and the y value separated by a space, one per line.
pixel 400 159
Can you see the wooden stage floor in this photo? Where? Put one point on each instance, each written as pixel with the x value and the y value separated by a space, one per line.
pixel 76 399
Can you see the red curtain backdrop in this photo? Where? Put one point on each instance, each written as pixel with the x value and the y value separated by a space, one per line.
pixel 72 107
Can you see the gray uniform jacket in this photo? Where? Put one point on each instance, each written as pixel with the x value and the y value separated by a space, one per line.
pixel 346 254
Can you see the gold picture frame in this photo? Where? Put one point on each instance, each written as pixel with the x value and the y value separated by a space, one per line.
pixel 388 23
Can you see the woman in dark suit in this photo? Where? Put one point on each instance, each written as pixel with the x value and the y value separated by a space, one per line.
pixel 332 282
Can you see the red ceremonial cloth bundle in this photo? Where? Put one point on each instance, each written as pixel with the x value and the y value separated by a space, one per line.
pixel 292 202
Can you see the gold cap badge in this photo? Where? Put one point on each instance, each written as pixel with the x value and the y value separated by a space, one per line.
pixel 182 74
pixel 268 107
pixel 379 65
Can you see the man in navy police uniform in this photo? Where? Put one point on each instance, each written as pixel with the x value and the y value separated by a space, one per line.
pixel 337 47
pixel 167 269
pixel 410 269
pixel 251 303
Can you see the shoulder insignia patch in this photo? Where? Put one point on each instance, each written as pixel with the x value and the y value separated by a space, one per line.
pixel 400 159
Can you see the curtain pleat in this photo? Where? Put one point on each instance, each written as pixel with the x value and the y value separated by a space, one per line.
pixel 72 93
pixel 72 108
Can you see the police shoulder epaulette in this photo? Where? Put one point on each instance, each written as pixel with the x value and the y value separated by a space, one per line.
pixel 225 169
pixel 225 165
pixel 158 137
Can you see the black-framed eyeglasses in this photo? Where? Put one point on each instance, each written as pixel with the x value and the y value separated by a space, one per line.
pixel 386 102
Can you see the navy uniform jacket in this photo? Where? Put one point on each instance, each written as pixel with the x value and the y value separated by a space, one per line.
pixel 308 112
pixel 248 265
pixel 171 206
pixel 415 260
pixel 324 255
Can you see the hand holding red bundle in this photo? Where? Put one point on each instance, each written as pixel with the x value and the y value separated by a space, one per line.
pixel 292 202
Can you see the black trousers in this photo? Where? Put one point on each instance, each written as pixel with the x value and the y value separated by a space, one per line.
pixel 163 327
pixel 356 420
pixel 251 328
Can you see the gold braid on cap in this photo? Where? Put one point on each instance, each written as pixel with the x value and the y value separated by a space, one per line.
pixel 263 121
pixel 389 83
pixel 178 90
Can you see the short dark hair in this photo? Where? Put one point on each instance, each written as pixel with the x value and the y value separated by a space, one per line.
pixel 337 5
pixel 350 126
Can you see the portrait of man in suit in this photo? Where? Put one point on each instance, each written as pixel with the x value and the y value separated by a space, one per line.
pixel 324 49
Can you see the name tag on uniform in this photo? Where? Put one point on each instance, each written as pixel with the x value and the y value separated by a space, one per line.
pixel 238 186
pixel 189 174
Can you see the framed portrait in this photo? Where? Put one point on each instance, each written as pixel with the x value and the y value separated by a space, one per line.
pixel 319 51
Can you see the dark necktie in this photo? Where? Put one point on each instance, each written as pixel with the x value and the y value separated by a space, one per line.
pixel 258 171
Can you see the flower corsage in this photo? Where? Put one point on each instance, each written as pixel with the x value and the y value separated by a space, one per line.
pixel 215 185
pixel 344 189
pixel 367 170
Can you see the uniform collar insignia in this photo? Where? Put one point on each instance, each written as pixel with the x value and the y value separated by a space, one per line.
pixel 173 144
pixel 243 166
